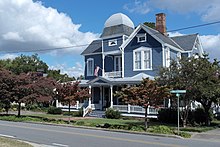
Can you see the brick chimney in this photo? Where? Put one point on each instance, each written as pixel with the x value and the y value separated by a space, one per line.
pixel 161 23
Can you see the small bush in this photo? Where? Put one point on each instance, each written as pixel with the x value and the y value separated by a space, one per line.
pixel 168 116
pixel 112 114
pixel 184 134
pixel 54 110
pixel 200 116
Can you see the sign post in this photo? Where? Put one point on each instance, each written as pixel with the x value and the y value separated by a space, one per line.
pixel 178 92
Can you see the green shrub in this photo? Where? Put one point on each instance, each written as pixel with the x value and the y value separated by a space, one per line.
pixel 160 129
pixel 54 110
pixel 112 114
pixel 184 134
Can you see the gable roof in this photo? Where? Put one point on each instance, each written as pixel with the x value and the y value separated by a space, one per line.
pixel 156 35
pixel 94 47
pixel 186 42
pixel 164 38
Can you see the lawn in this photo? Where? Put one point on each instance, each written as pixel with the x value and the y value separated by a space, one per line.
pixel 6 142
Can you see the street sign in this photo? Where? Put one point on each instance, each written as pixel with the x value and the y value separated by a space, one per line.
pixel 178 91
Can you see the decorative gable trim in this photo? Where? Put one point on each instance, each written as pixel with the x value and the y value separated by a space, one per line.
pixel 131 37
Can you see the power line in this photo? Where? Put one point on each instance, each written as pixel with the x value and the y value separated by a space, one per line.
pixel 74 46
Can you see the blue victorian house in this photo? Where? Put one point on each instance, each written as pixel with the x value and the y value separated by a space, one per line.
pixel 126 54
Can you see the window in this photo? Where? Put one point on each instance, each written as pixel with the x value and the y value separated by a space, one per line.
pixel 112 42
pixel 137 59
pixel 147 62
pixel 167 57
pixel 142 59
pixel 141 38
pixel 90 67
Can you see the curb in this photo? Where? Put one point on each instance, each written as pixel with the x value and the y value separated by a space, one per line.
pixel 109 130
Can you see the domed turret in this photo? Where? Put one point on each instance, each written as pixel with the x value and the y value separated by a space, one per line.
pixel 119 19
pixel 117 24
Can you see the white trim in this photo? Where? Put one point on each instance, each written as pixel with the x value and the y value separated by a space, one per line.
pixel 142 50
pixel 119 62
pixel 87 65
pixel 140 36
pixel 111 41
pixel 122 64
pixel 167 57
pixel 103 61
pixel 163 55
pixel 112 52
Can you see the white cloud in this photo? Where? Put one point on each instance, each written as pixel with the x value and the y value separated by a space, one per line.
pixel 28 25
pixel 137 7
pixel 211 45
pixel 207 9
pixel 8 56
pixel 75 71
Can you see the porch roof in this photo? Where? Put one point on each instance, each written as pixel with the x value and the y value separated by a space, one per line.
pixel 104 81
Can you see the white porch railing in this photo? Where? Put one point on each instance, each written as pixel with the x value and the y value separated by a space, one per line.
pixel 113 74
pixel 86 110
pixel 135 109
pixel 76 107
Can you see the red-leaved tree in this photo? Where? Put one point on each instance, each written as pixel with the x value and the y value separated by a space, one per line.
pixel 148 93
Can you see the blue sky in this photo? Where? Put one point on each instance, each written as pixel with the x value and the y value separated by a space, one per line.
pixel 31 25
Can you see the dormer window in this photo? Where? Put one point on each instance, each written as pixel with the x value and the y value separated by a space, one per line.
pixel 112 42
pixel 141 38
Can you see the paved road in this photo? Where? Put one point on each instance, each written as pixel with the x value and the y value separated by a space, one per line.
pixel 59 136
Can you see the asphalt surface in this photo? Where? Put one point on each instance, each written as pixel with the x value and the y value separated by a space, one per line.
pixel 60 136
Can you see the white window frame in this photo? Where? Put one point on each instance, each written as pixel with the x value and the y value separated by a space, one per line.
pixel 90 73
pixel 140 36
pixel 167 57
pixel 142 50
pixel 113 40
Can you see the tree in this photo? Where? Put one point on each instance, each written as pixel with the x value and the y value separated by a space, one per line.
pixel 58 76
pixel 24 64
pixel 32 88
pixel 199 77
pixel 70 92
pixel 150 24
pixel 148 93
pixel 6 85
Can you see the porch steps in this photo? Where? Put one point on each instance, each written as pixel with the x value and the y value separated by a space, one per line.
pixel 97 113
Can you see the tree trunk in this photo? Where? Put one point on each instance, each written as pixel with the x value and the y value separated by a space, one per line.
pixel 19 109
pixel 207 117
pixel 146 119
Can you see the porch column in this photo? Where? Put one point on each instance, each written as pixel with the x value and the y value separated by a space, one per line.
pixel 111 96
pixel 100 100
pixel 90 92
pixel 103 65
pixel 122 64
pixel 169 103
